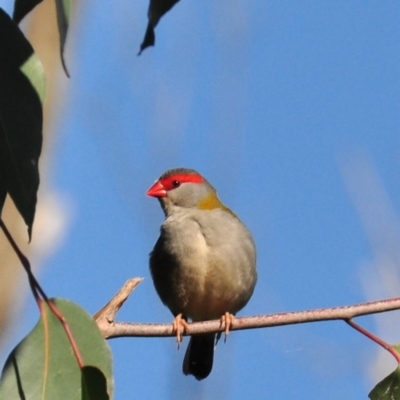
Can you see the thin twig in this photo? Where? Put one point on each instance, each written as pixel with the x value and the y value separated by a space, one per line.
pixel 33 283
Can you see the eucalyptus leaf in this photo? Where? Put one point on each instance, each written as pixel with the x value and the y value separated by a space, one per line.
pixel 157 8
pixel 63 9
pixel 388 388
pixel 22 86
pixel 22 8
pixel 43 365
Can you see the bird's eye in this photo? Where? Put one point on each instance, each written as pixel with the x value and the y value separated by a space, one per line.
pixel 176 184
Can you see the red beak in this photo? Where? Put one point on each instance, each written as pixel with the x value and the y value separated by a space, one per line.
pixel 157 190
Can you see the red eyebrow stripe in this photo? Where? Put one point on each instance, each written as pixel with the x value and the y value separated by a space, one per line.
pixel 183 178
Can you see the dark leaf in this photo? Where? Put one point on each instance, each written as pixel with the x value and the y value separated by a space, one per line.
pixel 94 384
pixel 23 7
pixel 43 367
pixel 63 9
pixel 21 118
pixel 157 8
pixel 3 194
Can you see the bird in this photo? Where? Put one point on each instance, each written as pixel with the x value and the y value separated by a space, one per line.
pixel 203 264
pixel 157 8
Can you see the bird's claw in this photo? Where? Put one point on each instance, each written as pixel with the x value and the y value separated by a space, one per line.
pixel 227 321
pixel 179 326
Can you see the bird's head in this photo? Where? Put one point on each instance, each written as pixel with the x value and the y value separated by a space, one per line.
pixel 182 187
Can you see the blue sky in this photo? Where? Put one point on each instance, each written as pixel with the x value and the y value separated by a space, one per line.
pixel 291 109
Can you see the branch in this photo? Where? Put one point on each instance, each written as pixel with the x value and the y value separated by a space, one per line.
pixel 105 316
pixel 111 329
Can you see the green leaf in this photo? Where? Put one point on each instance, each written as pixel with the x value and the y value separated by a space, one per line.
pixel 22 85
pixel 63 9
pixel 397 347
pixel 23 7
pixel 388 389
pixel 43 366
pixel 32 68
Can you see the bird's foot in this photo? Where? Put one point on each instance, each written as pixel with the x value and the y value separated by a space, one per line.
pixel 227 320
pixel 179 326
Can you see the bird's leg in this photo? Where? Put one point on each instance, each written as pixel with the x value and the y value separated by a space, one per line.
pixel 227 320
pixel 179 326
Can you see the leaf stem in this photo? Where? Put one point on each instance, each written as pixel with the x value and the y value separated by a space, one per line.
pixel 375 339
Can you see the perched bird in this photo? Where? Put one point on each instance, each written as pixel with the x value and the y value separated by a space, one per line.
pixel 157 8
pixel 204 262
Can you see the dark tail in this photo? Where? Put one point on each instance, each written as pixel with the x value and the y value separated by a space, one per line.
pixel 199 356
